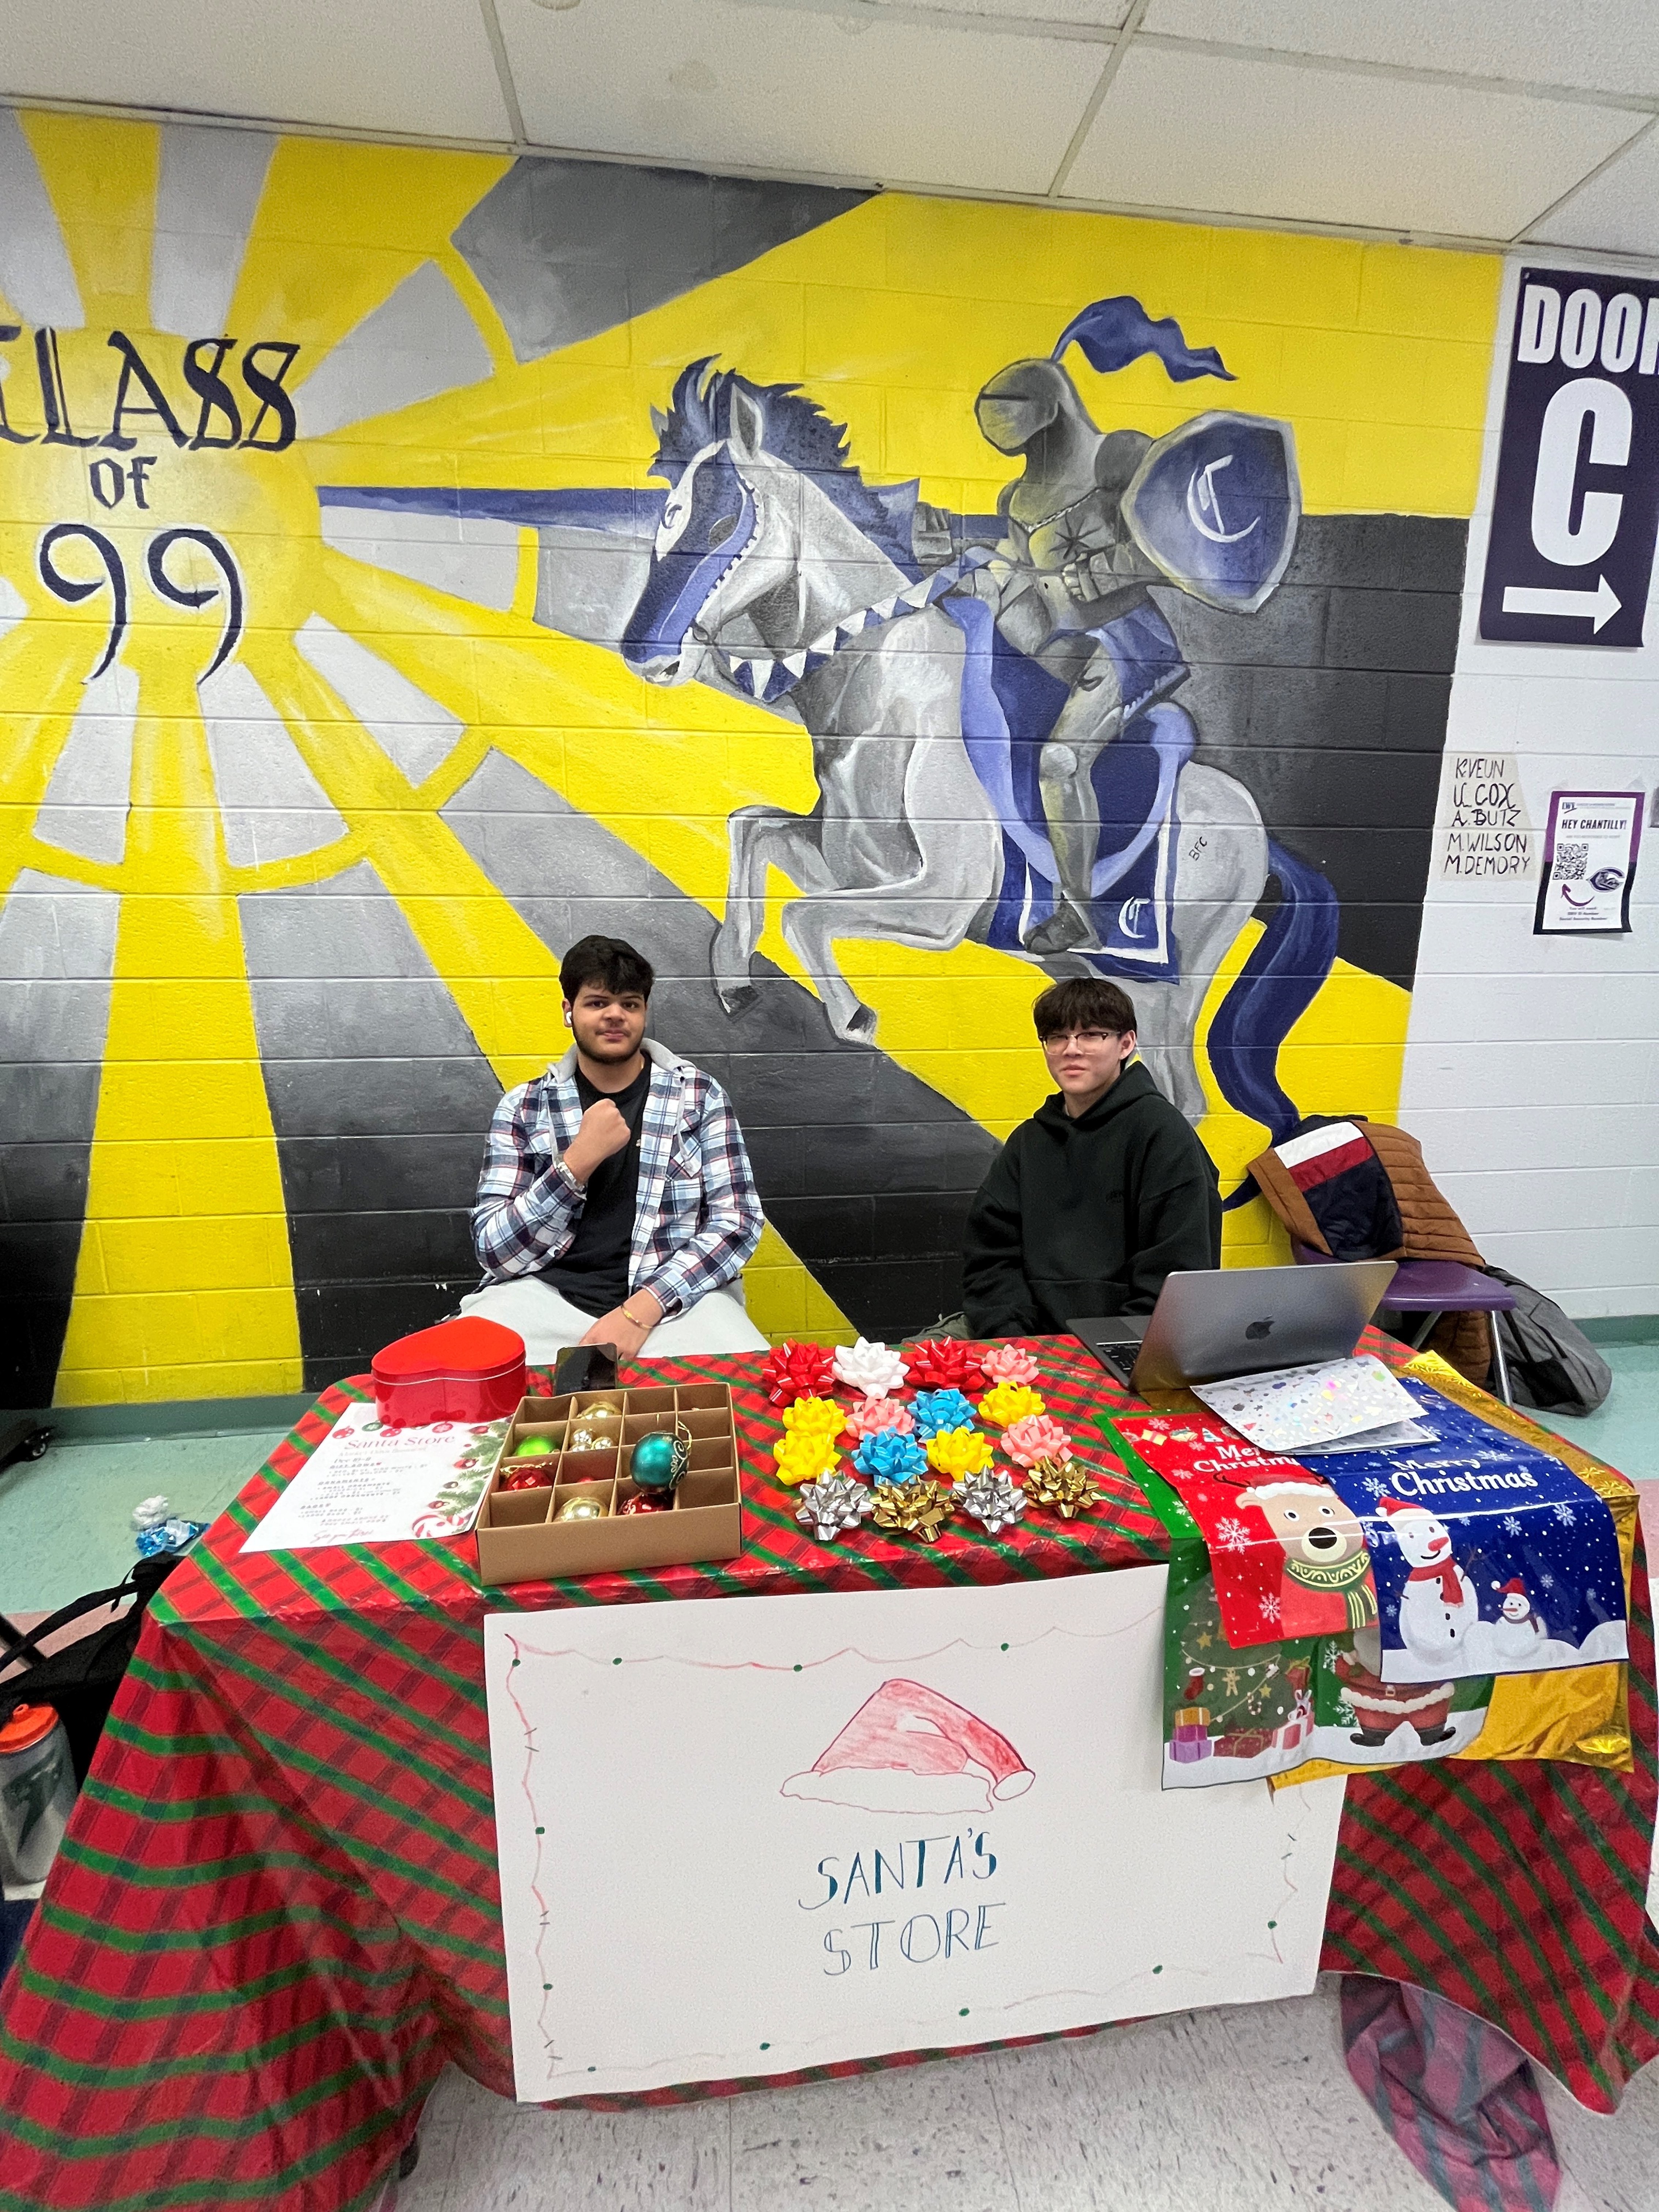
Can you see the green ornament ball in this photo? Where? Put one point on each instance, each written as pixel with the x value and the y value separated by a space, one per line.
pixel 658 1461
pixel 536 1447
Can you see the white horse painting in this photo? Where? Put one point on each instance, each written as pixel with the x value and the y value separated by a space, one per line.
pixel 779 575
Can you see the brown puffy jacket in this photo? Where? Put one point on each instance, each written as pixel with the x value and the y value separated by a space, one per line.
pixel 1433 1231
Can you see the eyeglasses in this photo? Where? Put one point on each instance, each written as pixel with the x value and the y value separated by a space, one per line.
pixel 1088 1038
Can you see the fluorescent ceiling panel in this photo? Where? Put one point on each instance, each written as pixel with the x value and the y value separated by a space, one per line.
pixel 792 90
pixel 1617 211
pixel 1265 138
pixel 420 67
pixel 1098 15
pixel 1610 45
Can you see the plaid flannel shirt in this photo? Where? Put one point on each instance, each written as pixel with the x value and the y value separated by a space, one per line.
pixel 697 1216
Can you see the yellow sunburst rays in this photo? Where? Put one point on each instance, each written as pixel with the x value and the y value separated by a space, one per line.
pixel 183 1285
pixel 39 665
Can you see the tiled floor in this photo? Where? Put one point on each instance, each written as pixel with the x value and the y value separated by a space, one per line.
pixel 64 1519
pixel 1625 1432
pixel 1249 2109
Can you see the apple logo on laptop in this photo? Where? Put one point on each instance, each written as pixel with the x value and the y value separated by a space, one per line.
pixel 1257 1330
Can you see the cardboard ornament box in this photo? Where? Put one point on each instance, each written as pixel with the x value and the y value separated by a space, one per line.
pixel 519 1536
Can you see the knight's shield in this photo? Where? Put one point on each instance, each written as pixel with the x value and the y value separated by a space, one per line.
pixel 1215 504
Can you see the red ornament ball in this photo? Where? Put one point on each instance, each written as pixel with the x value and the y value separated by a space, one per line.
pixel 532 1478
pixel 645 1501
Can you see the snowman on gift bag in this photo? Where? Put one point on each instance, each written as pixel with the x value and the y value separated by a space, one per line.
pixel 1519 1628
pixel 1439 1605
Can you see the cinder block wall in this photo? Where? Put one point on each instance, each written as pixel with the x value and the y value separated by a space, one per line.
pixel 302 805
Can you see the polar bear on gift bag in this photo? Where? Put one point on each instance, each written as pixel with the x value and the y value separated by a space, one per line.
pixel 1437 1606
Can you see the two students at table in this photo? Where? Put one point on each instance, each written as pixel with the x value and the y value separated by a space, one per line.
pixel 617 1204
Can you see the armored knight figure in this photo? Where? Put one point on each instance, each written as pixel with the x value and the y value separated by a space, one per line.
pixel 1095 518
pixel 1066 568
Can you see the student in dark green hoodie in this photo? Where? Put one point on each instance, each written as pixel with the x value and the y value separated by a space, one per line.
pixel 1100 1196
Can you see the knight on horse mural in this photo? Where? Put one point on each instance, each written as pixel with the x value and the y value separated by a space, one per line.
pixel 998 751
pixel 1001 753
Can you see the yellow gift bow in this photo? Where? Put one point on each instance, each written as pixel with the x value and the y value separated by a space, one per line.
pixel 959 1452
pixel 814 1417
pixel 805 1456
pixel 1008 1403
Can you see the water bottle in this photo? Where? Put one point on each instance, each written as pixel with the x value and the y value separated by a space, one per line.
pixel 37 1793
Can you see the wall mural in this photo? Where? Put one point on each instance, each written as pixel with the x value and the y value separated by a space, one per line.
pixel 871 606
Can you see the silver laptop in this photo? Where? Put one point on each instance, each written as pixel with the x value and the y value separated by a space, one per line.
pixel 1216 1323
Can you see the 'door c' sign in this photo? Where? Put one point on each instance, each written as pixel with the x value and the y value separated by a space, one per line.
pixel 1576 505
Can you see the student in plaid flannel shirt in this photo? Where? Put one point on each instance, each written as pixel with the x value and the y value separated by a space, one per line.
pixel 617 1204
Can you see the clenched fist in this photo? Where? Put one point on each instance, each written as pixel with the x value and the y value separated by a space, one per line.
pixel 604 1131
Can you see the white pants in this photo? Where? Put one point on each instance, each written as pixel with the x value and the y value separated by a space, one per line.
pixel 550 1324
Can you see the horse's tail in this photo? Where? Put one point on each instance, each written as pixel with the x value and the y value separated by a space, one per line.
pixel 1273 990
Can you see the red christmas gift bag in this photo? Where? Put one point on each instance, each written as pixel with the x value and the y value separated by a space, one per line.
pixel 1288 1556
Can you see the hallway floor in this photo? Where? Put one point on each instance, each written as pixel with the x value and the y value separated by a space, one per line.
pixel 1246 2109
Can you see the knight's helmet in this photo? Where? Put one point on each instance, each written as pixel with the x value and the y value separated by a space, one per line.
pixel 1214 505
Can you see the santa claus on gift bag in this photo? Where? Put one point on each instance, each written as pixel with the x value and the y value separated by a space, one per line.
pixel 1437 1606
pixel 1381 1707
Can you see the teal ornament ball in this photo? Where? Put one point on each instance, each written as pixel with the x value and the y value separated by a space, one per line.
pixel 658 1461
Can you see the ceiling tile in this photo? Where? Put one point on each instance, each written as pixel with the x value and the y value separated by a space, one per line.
pixel 415 67
pixel 1609 45
pixel 1617 211
pixel 1267 138
pixel 789 90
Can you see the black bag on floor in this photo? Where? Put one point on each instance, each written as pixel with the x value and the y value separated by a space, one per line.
pixel 81 1679
pixel 1552 1365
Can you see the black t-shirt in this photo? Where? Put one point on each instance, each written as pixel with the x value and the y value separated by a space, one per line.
pixel 593 1273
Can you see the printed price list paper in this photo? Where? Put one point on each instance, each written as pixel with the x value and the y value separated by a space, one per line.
pixel 366 1483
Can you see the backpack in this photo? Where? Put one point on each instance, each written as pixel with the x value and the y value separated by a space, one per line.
pixel 1553 1364
pixel 81 1681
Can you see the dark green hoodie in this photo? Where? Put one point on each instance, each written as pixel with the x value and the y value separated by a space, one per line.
pixel 1088 1217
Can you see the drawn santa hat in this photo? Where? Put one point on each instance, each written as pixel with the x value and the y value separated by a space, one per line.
pixel 1514 1588
pixel 1391 1508
pixel 907 1749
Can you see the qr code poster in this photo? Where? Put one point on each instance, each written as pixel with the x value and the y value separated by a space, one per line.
pixel 1589 863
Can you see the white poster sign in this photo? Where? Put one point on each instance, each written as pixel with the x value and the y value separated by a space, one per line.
pixel 1482 832
pixel 739 1839
pixel 1589 863
pixel 366 1483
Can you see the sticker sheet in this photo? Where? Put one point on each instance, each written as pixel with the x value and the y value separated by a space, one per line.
pixel 1299 1409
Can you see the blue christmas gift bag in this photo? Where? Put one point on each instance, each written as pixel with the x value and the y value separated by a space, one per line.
pixel 1489 1556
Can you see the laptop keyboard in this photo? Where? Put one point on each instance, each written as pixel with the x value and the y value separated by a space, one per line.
pixel 1119 1359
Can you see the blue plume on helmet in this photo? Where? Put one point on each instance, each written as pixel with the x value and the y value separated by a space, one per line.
pixel 1114 332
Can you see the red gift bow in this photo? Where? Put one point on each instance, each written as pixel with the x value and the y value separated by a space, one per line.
pixel 944 1364
pixel 797 1370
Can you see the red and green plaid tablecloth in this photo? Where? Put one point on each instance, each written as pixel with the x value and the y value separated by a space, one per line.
pixel 275 1914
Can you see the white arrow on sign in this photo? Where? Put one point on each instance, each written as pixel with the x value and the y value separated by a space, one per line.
pixel 1596 607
